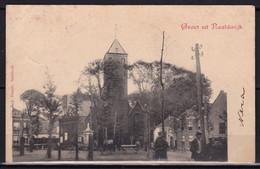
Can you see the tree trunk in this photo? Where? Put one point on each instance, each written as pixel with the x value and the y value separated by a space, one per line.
pixel 49 141
pixel 90 148
pixel 76 143
pixel 22 140
pixel 31 144
pixel 98 137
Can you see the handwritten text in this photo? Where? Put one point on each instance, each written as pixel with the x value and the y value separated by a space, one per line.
pixel 240 112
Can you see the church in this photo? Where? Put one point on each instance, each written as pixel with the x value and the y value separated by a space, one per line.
pixel 126 122
pixel 121 122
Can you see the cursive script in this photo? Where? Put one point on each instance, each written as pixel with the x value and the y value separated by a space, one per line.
pixel 240 112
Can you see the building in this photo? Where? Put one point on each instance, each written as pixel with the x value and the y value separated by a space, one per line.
pixel 19 121
pixel 180 130
pixel 188 128
pixel 169 131
pixel 115 92
pixel 218 117
pixel 137 121
pixel 41 140
pixel 71 125
pixel 85 104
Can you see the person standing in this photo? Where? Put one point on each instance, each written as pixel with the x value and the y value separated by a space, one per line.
pixel 160 147
pixel 197 147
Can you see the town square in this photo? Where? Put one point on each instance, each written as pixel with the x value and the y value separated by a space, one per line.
pixel 141 84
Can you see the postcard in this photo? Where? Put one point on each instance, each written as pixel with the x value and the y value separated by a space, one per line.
pixel 130 84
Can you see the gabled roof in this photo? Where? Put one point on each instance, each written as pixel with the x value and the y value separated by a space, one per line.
pixel 167 122
pixel 137 105
pixel 218 97
pixel 116 48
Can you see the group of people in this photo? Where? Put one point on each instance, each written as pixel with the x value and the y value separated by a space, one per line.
pixel 199 151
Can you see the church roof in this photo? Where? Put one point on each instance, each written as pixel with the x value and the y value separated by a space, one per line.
pixel 137 106
pixel 116 48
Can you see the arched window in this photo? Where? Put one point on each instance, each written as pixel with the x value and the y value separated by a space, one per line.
pixel 123 60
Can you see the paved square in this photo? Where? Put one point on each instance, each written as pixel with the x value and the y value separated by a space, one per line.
pixel 39 155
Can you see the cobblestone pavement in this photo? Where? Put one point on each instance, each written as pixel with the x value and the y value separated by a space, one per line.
pixel 39 155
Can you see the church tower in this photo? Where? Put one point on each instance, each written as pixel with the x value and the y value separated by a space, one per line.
pixel 115 92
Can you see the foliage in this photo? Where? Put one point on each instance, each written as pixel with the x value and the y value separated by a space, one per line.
pixel 91 83
pixel 75 104
pixel 180 88
pixel 33 100
pixel 52 108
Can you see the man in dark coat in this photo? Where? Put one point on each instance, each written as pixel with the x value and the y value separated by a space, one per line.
pixel 197 147
pixel 160 148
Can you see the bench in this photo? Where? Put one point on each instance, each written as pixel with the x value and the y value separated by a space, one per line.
pixel 126 148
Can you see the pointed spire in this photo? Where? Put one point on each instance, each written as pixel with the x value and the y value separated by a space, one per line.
pixel 116 48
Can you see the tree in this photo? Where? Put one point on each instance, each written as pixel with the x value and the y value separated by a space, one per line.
pixel 75 104
pixel 33 100
pixel 52 109
pixel 74 108
pixel 98 91
pixel 92 84
pixel 180 88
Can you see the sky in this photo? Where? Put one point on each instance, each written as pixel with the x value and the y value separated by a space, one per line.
pixel 64 39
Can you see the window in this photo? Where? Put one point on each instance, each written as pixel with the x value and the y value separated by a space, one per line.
pixel 222 128
pixel 15 140
pixel 65 136
pixel 16 125
pixel 190 138
pixel 183 138
pixel 190 126
pixel 123 60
